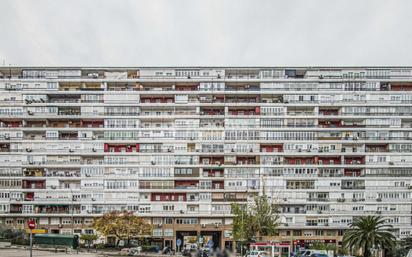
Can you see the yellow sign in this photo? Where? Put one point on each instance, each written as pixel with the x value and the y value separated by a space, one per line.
pixel 37 231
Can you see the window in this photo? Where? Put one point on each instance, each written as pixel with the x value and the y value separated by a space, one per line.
pixel 168 232
pixel 168 207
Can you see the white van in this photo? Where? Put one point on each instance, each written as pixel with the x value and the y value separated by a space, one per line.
pixel 307 253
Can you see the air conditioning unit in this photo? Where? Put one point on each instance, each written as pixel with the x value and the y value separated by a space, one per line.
pixel 71 150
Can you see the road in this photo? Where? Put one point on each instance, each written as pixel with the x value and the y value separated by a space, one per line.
pixel 25 253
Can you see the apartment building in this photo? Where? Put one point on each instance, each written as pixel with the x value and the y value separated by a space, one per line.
pixel 179 145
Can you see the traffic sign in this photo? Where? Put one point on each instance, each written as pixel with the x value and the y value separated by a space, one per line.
pixel 31 224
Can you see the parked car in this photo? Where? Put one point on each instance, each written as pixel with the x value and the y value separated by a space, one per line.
pixel 134 251
pixel 319 255
pixel 309 252
pixel 167 250
pixel 186 253
pixel 256 253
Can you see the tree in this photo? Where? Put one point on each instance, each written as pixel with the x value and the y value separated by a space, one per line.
pixel 402 247
pixel 366 233
pixel 15 236
pixel 88 239
pixel 265 217
pixel 241 223
pixel 255 220
pixel 123 225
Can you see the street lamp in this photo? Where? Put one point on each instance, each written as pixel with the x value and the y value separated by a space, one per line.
pixel 72 207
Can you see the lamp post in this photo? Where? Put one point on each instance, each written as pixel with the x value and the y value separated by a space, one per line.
pixel 72 214
pixel 242 238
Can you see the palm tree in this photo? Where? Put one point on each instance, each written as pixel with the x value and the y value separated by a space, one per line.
pixel 369 232
pixel 406 243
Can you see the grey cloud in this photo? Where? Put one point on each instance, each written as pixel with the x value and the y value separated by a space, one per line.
pixel 210 32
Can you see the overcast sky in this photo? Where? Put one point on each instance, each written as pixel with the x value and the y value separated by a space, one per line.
pixel 207 32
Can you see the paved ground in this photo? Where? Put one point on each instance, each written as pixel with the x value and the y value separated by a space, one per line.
pixel 25 253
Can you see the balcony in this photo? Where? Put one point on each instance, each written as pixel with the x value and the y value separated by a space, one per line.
pixel 353 184
pixel 244 111
pixel 218 184
pixel 299 161
pixel 34 184
pixel 115 86
pixel 68 136
pixel 212 111
pixel 271 148
pixel 29 196
pixel 242 99
pixel 121 148
pixel 400 86
pixel 4 147
pixel 302 184
pixel 329 160
pixel 168 197
pixel 10 124
pixel 378 148
pixel 34 172
pixel 212 160
pixel 329 112
pixel 64 98
pixel 187 184
pixel 243 160
pixel 69 111
pixel 354 160
pixel 330 123
pixel 56 209
pixel 353 173
pixel 317 199
pixel 186 87
pixel 212 99
pixel 69 173
pixel 213 173
pixel 157 100
pixel 16 208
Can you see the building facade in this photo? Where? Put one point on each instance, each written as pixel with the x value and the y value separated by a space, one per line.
pixel 179 145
